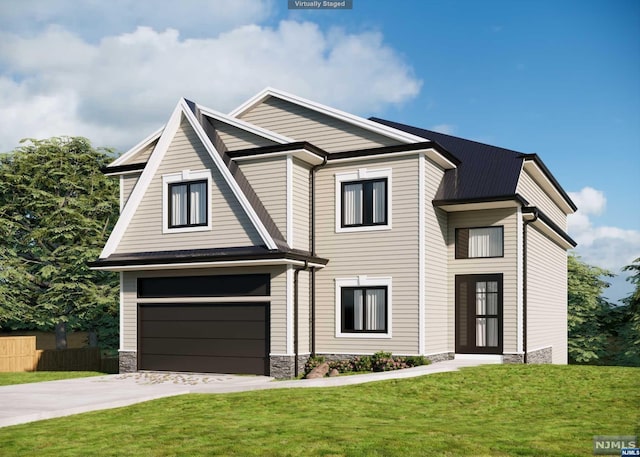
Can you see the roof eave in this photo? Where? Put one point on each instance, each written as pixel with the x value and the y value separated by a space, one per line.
pixel 536 167
pixel 476 203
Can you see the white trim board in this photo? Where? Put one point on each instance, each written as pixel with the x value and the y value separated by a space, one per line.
pixel 137 148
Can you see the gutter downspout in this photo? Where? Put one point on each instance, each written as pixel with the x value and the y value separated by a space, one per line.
pixel 312 242
pixel 524 282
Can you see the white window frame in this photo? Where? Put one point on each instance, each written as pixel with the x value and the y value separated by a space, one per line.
pixel 176 178
pixel 362 174
pixel 363 281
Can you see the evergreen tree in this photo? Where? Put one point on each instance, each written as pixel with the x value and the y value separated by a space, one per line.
pixel 56 211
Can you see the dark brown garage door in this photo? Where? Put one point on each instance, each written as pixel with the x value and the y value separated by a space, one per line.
pixel 204 338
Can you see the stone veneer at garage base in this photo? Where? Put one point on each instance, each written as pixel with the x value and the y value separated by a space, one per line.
pixel 283 367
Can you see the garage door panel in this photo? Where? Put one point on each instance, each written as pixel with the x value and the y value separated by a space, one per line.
pixel 203 312
pixel 204 346
pixel 208 337
pixel 204 329
pixel 205 364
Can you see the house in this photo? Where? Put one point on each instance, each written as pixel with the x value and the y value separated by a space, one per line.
pixel 248 241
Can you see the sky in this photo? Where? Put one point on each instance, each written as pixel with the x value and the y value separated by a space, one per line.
pixel 558 78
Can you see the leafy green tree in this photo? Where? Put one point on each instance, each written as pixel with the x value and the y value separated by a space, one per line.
pixel 629 322
pixel 56 211
pixel 588 312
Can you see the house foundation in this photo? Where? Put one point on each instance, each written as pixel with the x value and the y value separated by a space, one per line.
pixel 128 362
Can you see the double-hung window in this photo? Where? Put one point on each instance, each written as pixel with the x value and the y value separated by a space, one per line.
pixel 188 204
pixel 479 242
pixel 363 200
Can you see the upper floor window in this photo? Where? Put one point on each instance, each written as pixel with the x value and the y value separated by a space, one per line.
pixel 186 203
pixel 481 242
pixel 364 203
pixel 363 200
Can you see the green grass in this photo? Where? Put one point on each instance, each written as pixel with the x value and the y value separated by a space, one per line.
pixel 7 379
pixel 496 410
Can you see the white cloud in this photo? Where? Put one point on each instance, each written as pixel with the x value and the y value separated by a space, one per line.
pixel 117 90
pixel 603 246
pixel 589 200
pixel 95 19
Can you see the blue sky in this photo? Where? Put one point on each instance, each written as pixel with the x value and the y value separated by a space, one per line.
pixel 558 78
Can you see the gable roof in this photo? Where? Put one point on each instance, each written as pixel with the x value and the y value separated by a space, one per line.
pixel 349 118
pixel 184 109
pixel 484 172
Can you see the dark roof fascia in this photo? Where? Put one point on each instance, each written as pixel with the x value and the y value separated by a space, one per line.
pixel 203 255
pixel 123 168
pixel 499 198
pixel 393 149
pixel 551 178
pixel 555 227
pixel 279 148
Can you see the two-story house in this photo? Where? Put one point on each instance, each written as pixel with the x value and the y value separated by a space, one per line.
pixel 248 241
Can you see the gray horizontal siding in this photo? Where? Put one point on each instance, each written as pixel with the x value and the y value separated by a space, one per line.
pixel 546 295
pixel 300 205
pixel 235 138
pixel 230 224
pixel 128 182
pixel 304 124
pixel 533 193
pixel 268 179
pixel 506 265
pixel 386 253
pixel 141 156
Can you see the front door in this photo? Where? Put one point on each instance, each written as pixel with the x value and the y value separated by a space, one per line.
pixel 479 314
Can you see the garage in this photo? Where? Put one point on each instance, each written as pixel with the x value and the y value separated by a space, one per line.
pixel 218 337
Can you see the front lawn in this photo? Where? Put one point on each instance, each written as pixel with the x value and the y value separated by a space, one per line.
pixel 495 410
pixel 7 379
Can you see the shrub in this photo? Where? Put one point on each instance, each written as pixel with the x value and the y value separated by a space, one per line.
pixel 416 360
pixel 343 366
pixel 361 363
pixel 382 361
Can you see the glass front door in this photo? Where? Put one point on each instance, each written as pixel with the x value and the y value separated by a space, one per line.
pixel 479 314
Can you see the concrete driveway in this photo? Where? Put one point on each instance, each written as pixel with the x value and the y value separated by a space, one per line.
pixel 24 403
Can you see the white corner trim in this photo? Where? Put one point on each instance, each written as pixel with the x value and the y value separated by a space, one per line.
pixel 246 126
pixel 121 185
pixel 357 175
pixel 121 313
pixel 224 171
pixel 519 282
pixel 352 119
pixel 421 255
pixel 364 281
pixel 289 310
pixel 183 176
pixel 289 191
pixel 137 148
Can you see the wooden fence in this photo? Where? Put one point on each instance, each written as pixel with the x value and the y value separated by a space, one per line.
pixel 19 353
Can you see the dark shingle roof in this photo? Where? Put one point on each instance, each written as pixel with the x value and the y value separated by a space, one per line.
pixel 484 171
